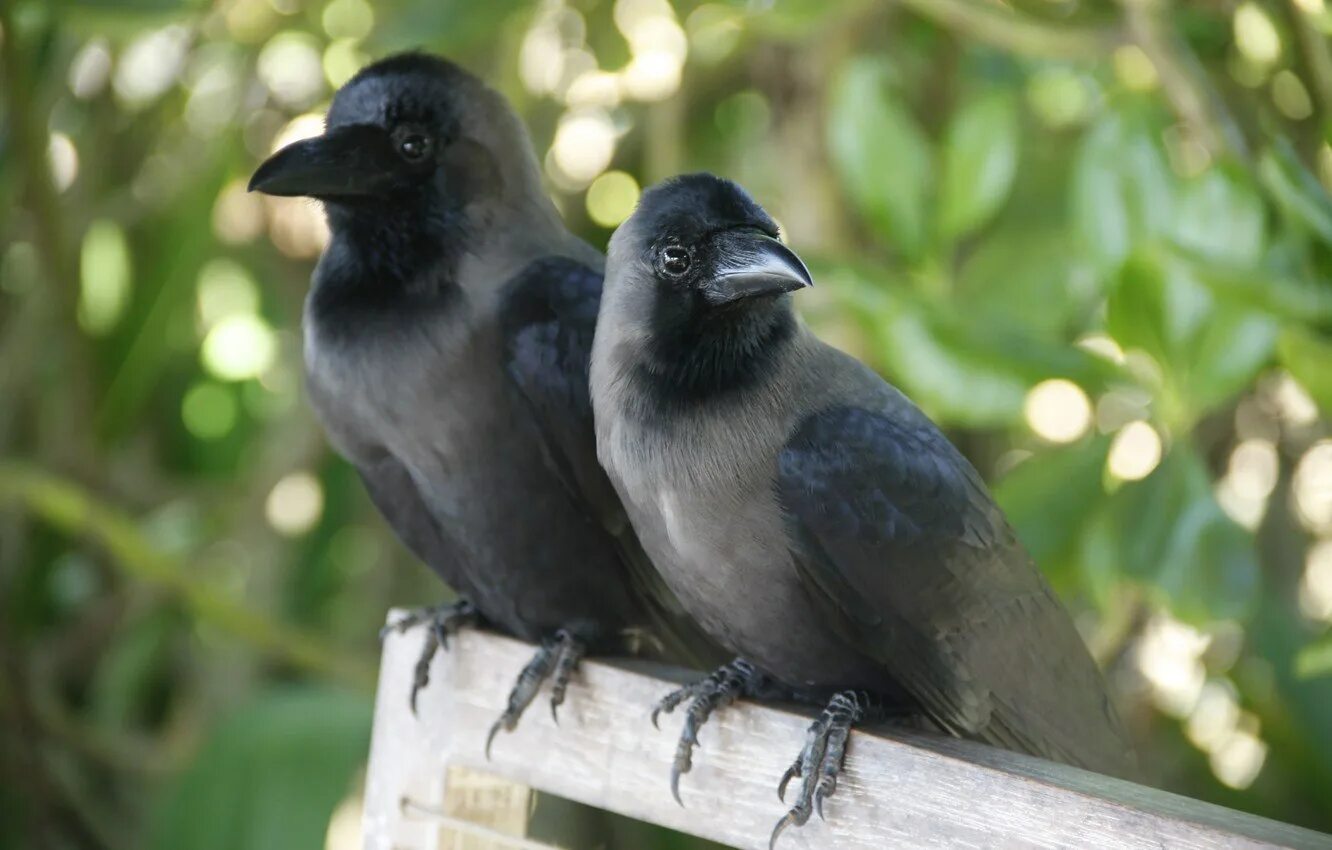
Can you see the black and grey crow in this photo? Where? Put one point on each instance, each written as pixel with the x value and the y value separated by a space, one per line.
pixel 809 516
pixel 447 336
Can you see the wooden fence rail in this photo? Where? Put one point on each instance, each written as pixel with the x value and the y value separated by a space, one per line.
pixel 430 787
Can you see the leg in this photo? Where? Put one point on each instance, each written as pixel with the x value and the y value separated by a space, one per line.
pixel 718 690
pixel 820 762
pixel 444 620
pixel 571 652
pixel 557 656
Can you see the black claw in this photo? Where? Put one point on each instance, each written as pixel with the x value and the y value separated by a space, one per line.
pixel 820 760
pixel 443 620
pixel 490 738
pixel 792 772
pixel 781 825
pixel 557 657
pixel 717 690
pixel 821 791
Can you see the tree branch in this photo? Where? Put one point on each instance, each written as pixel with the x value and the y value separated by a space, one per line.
pixel 70 509
pixel 1012 32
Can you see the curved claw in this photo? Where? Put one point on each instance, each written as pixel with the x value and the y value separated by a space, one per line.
pixel 675 786
pixel 555 712
pixel 792 772
pixel 490 738
pixel 656 712
pixel 416 689
pixel 826 788
pixel 781 825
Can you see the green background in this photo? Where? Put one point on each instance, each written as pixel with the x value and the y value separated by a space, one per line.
pixel 1093 240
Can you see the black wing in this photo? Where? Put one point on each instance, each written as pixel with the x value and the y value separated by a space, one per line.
pixel 548 320
pixel 902 545
pixel 394 493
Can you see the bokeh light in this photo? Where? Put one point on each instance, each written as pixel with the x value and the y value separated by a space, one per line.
pixel 1058 410
pixel 584 145
pixel 208 410
pixel 1169 656
pixel 611 198
pixel 150 65
pixel 91 69
pixel 1290 96
pixel 225 289
pixel 291 66
pixel 63 158
pixel 238 214
pixel 1256 35
pixel 1239 759
pixel 1312 487
pixel 1293 401
pixel 342 59
pixel 1316 583
pixel 238 348
pixel 104 277
pixel 295 504
pixel 348 19
pixel 1134 68
pixel 1134 452
pixel 1249 480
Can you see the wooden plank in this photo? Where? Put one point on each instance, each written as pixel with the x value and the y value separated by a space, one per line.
pixel 899 788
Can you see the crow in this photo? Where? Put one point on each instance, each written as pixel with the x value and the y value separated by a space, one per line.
pixel 448 331
pixel 814 521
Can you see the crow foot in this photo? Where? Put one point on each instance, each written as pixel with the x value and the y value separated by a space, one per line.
pixel 820 762
pixel 719 689
pixel 443 620
pixel 556 659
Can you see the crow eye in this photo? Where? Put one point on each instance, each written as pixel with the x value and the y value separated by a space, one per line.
pixel 675 260
pixel 414 147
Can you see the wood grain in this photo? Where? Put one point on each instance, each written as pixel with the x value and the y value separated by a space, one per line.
pixel 898 789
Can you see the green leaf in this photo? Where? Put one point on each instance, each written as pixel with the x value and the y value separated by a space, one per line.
pixel 1227 354
pixel 1177 540
pixel 1219 216
pixel 1209 350
pixel 979 161
pixel 1122 191
pixel 1050 497
pixel 881 155
pixel 1023 274
pixel 1309 358
pixel 1274 291
pixel 1315 659
pixel 953 382
pixel 269 776
pixel 1297 192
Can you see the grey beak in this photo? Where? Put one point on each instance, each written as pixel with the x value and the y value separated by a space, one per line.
pixel 352 161
pixel 752 264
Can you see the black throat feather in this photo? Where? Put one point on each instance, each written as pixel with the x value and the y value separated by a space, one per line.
pixel 696 355
pixel 385 262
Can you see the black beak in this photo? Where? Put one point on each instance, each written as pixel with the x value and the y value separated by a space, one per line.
pixel 752 264
pixel 352 161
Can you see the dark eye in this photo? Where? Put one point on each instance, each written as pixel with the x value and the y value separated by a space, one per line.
pixel 414 147
pixel 675 260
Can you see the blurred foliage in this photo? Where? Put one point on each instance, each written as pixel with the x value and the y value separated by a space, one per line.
pixel 1092 239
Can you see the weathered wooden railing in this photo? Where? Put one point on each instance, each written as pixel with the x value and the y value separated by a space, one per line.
pixel 430 786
